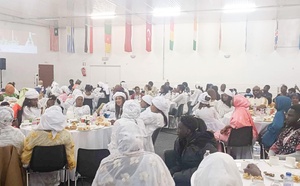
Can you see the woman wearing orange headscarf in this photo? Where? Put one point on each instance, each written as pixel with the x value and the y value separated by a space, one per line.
pixel 240 118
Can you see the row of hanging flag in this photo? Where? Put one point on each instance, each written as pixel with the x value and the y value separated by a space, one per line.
pixel 88 44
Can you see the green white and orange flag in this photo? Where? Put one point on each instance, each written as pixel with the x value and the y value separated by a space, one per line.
pixel 107 30
pixel 171 34
pixel 195 33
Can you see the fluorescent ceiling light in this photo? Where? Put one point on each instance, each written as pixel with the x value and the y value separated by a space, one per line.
pixel 239 8
pixel 103 15
pixel 166 12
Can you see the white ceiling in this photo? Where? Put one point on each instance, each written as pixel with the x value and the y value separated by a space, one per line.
pixel 64 12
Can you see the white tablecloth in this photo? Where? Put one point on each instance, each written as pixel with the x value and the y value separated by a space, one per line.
pixel 263 166
pixel 260 125
pixel 92 139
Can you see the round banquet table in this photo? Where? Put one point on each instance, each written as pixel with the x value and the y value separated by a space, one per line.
pixel 92 139
pixel 263 165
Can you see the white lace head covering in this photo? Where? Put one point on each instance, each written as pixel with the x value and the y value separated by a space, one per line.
pixel 6 116
pixel 65 89
pixel 78 95
pixel 162 104
pixel 202 98
pixel 131 109
pixel 53 119
pixel 217 169
pixel 229 93
pixel 147 99
pixel 32 94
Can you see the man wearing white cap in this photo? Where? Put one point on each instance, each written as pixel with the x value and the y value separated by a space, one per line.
pixel 31 109
pixel 8 134
pixel 224 105
pixel 156 115
pixel 51 131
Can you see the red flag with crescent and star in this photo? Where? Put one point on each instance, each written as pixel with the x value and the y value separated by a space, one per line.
pixel 148 36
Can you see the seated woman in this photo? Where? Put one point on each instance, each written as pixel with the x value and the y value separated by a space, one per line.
pixel 165 92
pixel 146 102
pixel 282 105
pixel 31 108
pixel 89 98
pixel 156 115
pixel 113 109
pixel 208 113
pixel 189 149
pixel 240 118
pixel 78 109
pixel 217 169
pixel 224 105
pixel 131 165
pixel 180 98
pixel 65 92
pixel 51 131
pixel 288 143
pixel 8 134
pixel 137 95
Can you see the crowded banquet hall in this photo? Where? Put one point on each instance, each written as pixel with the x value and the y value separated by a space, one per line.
pixel 149 92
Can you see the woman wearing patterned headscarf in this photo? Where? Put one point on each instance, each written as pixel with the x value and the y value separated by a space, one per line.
pixel 8 134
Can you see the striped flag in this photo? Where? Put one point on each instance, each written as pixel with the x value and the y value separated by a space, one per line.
pixel 128 34
pixel 220 36
pixel 107 30
pixel 70 39
pixel 88 38
pixel 54 39
pixel 276 36
pixel 172 34
pixel 148 36
pixel 195 33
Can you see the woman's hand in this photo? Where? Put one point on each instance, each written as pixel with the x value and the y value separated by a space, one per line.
pixel 225 130
pixel 252 169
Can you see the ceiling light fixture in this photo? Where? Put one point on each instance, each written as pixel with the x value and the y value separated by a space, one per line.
pixel 103 15
pixel 239 8
pixel 166 12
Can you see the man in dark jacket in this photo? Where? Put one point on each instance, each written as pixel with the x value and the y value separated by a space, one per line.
pixel 189 148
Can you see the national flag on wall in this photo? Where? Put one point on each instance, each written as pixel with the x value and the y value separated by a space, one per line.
pixel 148 36
pixel 220 36
pixel 91 38
pixel 107 31
pixel 54 39
pixel 276 36
pixel 171 34
pixel 128 34
pixel 88 38
pixel 195 33
pixel 70 39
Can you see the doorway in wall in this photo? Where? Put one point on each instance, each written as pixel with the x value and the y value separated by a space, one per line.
pixel 110 74
pixel 46 74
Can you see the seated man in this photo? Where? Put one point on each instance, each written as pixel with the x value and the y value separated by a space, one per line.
pixel 288 143
pixel 189 149
pixel 258 101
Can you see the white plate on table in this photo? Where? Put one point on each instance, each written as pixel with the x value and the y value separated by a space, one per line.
pixel 290 166
pixel 276 176
pixel 26 124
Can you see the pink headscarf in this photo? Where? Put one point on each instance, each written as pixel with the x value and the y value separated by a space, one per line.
pixel 241 116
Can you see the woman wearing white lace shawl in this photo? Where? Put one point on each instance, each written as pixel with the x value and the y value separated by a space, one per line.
pixel 131 113
pixel 217 169
pixel 8 134
pixel 133 166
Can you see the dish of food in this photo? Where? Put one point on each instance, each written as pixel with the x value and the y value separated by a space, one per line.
pixel 102 121
pixel 84 128
pixel 71 127
pixel 274 176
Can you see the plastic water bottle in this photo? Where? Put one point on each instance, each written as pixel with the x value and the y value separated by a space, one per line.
pixel 288 180
pixel 206 154
pixel 256 151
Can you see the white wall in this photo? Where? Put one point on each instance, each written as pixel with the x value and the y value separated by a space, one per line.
pixel 259 65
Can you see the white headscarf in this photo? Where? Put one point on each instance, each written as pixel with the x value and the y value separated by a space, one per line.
pixel 6 116
pixel 65 89
pixel 32 94
pixel 117 94
pixel 131 109
pixel 75 92
pixel 104 86
pixel 147 99
pixel 162 104
pixel 56 91
pixel 229 93
pixel 54 84
pixel 202 98
pixel 78 95
pixel 217 169
pixel 53 119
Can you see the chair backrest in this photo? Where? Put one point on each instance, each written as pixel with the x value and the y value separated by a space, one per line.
pixel 240 137
pixel 48 158
pixel 155 134
pixel 89 102
pixel 102 100
pixel 179 110
pixel 88 161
